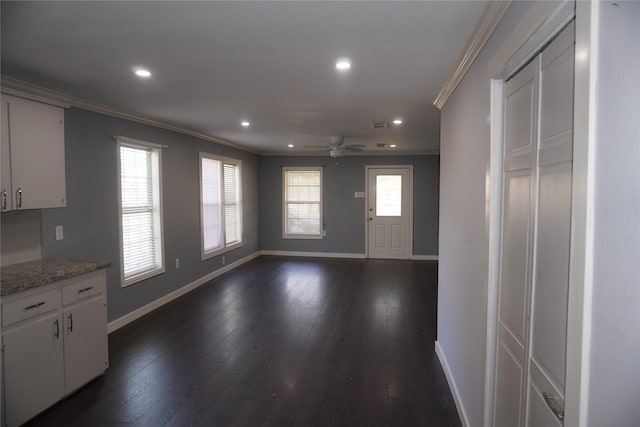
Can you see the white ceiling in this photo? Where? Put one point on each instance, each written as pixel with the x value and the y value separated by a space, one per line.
pixel 272 63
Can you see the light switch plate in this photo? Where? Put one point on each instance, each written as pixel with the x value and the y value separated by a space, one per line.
pixel 358 195
pixel 59 232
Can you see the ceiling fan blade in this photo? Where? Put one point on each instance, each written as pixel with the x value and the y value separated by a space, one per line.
pixel 352 148
pixel 316 146
pixel 356 146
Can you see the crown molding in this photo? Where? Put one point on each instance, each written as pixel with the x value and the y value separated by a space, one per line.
pixel 23 89
pixel 493 13
pixel 363 153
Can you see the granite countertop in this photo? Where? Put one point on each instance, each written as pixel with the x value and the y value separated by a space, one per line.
pixel 27 275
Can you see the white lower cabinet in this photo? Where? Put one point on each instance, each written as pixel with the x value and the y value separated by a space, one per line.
pixel 33 373
pixel 54 340
pixel 85 350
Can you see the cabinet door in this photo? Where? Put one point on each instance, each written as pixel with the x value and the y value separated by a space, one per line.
pixel 33 368
pixel 5 156
pixel 85 334
pixel 36 133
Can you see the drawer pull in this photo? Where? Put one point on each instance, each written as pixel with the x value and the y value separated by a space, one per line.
pixel 32 306
pixel 551 403
pixel 85 289
pixel 70 327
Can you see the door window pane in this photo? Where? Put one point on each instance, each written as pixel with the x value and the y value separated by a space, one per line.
pixel 388 195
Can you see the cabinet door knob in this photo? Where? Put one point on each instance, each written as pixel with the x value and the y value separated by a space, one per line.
pixel 56 332
pixel 70 326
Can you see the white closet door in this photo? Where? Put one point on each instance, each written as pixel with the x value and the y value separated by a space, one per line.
pixel 551 277
pixel 521 113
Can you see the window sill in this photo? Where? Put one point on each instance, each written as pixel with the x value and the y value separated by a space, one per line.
pixel 207 255
pixel 302 237
pixel 142 276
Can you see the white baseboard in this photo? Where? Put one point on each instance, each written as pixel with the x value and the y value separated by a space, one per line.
pixel 314 254
pixel 464 419
pixel 340 255
pixel 145 309
pixel 424 257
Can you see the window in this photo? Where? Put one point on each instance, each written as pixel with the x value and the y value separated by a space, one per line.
pixel 302 210
pixel 140 209
pixel 220 204
pixel 388 195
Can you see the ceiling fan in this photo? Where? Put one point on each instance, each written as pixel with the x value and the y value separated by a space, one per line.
pixel 337 146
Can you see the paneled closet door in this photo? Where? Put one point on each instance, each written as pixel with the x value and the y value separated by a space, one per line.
pixel 551 277
pixel 521 112
pixel 536 232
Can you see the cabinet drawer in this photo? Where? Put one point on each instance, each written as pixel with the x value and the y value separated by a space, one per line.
pixel 83 288
pixel 31 306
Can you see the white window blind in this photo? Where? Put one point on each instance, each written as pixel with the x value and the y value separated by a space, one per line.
pixel 302 213
pixel 140 212
pixel 211 205
pixel 231 204
pixel 221 204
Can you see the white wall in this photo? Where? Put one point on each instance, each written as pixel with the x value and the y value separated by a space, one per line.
pixel 614 389
pixel 20 237
pixel 462 267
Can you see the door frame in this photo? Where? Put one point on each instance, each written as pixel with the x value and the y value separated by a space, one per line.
pixel 543 22
pixel 366 204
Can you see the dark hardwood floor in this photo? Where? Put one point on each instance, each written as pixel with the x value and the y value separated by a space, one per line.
pixel 275 342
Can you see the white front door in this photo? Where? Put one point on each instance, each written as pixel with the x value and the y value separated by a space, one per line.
pixel 389 212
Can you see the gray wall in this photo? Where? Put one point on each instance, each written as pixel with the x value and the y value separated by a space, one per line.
pixel 90 219
pixel 343 214
pixel 462 266
pixel 614 390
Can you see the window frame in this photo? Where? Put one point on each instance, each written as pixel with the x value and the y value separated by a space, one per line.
pixel 156 170
pixel 294 236
pixel 207 254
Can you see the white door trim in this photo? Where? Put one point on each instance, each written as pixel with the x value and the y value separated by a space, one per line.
pixel 541 24
pixel 366 204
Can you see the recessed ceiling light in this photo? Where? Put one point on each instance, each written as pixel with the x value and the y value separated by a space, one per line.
pixel 397 122
pixel 290 145
pixel 343 64
pixel 392 145
pixel 142 72
pixel 245 123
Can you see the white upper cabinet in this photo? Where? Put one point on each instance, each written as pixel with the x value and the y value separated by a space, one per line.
pixel 33 165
